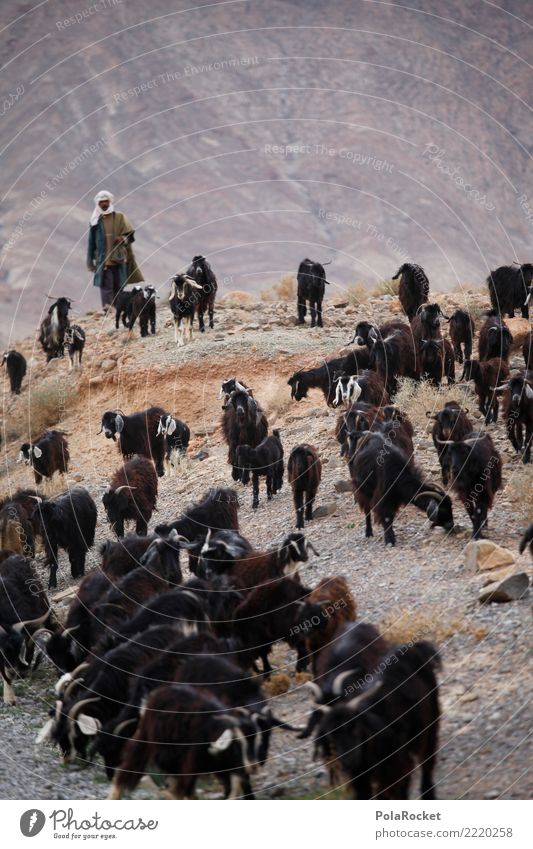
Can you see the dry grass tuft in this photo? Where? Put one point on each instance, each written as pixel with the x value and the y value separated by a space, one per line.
pixel 46 406
pixel 275 398
pixel 237 299
pixel 285 289
pixel 423 623
pixel 277 684
pixel 415 398
pixel 267 296
pixel 386 287
pixel 357 294
pixel 519 491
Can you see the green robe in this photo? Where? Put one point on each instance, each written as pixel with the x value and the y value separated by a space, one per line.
pixel 129 271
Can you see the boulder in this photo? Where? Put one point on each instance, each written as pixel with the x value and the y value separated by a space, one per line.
pixel 325 510
pixel 201 455
pixel 343 486
pixel 510 589
pixel 483 554
pixel 108 365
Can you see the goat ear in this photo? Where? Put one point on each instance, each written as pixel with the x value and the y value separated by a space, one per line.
pixel 221 743
pixel 119 423
pixel 430 415
pixel 46 732
pixel 529 391
pixel 20 457
pixel 171 427
pixel 88 725
pixel 37 451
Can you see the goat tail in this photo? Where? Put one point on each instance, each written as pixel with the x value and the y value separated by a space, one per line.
pixel 527 538
pixel 276 433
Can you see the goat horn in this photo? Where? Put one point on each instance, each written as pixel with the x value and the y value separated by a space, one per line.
pixel 314 688
pixel 499 388
pixel 310 545
pixel 431 493
pixel 124 486
pixel 354 703
pixel 19 626
pixel 445 441
pixel 339 681
pixel 78 706
pixel 67 631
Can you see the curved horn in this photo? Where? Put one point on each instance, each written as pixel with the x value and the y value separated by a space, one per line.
pixel 74 711
pixel 314 689
pixel 499 388
pixel 339 681
pixel 27 623
pixel 309 545
pixel 353 704
pixel 124 486
pixel 68 631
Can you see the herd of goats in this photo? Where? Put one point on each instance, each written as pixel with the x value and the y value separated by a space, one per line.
pixel 161 673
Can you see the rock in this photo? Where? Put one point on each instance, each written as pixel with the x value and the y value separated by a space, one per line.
pixel 340 305
pixel 483 554
pixel 510 589
pixel 325 510
pixel 204 431
pixel 519 327
pixel 108 365
pixel 77 477
pixel 201 455
pixel 251 327
pixel 343 486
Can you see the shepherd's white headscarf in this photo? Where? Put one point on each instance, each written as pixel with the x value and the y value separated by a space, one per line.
pixel 97 212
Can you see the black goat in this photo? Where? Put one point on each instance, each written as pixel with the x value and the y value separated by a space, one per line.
pixel 123 305
pixel 132 496
pixel 75 343
pixel 265 460
pixel 486 376
pixel 476 476
pixel 312 282
pixel 527 350
pixel 203 274
pixel 451 424
pixel 49 454
pixel 495 339
pixel 367 387
pixel 384 480
pixel 527 539
pixel 518 412
pixel 462 329
pixel 510 289
pixel 67 521
pixel 243 423
pixel 16 529
pixel 142 306
pixel 414 288
pixel 394 356
pixel 437 360
pixel 52 328
pixel 378 737
pixel 183 301
pixel 304 470
pixel 24 608
pixel 15 364
pixel 176 435
pixel 138 434
pixel 323 377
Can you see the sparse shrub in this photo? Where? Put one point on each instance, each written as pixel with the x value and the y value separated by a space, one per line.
pixel 519 491
pixel 48 405
pixel 357 294
pixel 386 287
pixel 237 299
pixel 285 289
pixel 429 622
pixel 415 398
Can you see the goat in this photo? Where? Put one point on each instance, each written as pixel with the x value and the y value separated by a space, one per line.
pixel 26 499
pixel 312 282
pixel 24 608
pixel 183 301
pixel 304 470
pixel 378 737
pixel 426 323
pixel 218 510
pixel 413 289
pixel 527 350
pixel 268 614
pixel 367 387
pixel 451 424
pixel 495 339
pixel 323 377
pixel 75 343
pixel 510 288
pixel 142 306
pixel 328 606
pixel 132 495
pixel 15 364
pixel 123 305
pixel 49 454
pixel 216 743
pixel 176 435
pixel 243 423
pixel 52 328
pixel 200 271
pixel 383 481
pixel 67 521
pixel 518 412
pixel 265 460
pixel 395 355
pixel 462 328
pixel 138 434
pixel 437 360
pixel 121 556
pixel 357 417
pixel 16 529
pixel 486 376
pixel 366 332
pixel 476 476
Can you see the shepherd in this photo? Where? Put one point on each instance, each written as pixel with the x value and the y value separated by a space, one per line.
pixel 110 256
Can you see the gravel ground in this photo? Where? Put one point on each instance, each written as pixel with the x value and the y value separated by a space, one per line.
pixel 421 587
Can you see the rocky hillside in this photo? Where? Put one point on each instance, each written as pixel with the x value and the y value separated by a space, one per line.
pixel 259 133
pixel 427 587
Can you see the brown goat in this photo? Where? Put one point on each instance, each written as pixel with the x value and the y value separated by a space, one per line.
pixel 305 472
pixel 487 376
pixel 527 350
pixel 327 607
pixel 132 495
